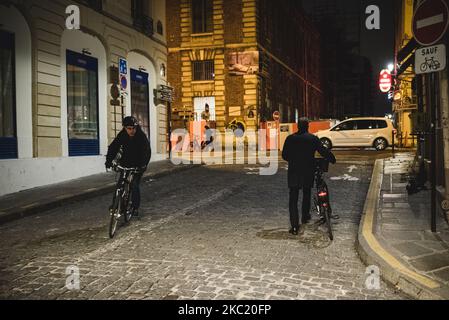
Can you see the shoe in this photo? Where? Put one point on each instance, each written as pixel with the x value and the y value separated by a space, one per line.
pixel 294 231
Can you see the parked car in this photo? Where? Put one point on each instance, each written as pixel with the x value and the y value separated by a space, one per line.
pixel 359 132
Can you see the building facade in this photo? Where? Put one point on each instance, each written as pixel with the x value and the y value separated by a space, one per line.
pixel 61 105
pixel 422 106
pixel 241 58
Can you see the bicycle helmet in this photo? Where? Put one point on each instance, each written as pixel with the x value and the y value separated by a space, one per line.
pixel 130 122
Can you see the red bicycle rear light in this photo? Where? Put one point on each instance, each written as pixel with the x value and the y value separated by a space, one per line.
pixel 322 194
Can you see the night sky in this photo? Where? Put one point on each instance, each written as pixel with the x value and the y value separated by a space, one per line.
pixel 376 45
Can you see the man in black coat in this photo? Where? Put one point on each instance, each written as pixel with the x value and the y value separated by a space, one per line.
pixel 299 151
pixel 136 153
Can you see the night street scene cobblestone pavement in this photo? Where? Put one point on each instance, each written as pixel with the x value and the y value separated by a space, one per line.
pixel 152 150
pixel 213 232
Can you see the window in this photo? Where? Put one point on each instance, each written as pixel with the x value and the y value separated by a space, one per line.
pixel 345 126
pixel 140 103
pixel 381 124
pixel 82 104
pixel 160 28
pixel 141 13
pixel 8 134
pixel 94 4
pixel 202 16
pixel 366 125
pixel 203 70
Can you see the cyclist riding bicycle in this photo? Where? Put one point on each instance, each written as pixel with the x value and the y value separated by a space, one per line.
pixel 135 153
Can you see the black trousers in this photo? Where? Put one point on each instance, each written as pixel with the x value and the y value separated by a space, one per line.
pixel 306 201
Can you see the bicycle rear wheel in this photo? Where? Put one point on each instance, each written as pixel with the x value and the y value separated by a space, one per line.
pixel 327 217
pixel 115 211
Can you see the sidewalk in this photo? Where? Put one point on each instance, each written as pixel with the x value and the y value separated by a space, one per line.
pixel 21 204
pixel 395 234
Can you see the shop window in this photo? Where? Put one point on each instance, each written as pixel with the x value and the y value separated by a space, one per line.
pixel 140 102
pixel 203 70
pixel 82 105
pixel 8 134
pixel 202 16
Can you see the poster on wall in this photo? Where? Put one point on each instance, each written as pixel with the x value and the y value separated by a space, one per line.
pixel 241 63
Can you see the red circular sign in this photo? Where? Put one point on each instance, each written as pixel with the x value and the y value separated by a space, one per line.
pixel 276 115
pixel 430 22
pixel 385 81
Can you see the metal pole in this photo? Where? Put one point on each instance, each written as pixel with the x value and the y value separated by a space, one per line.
pixel 392 139
pixel 169 130
pixel 432 106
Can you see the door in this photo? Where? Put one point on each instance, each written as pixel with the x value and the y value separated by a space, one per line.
pixel 140 99
pixel 365 133
pixel 204 108
pixel 343 134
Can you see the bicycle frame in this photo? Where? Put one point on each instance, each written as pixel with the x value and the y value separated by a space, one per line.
pixel 121 198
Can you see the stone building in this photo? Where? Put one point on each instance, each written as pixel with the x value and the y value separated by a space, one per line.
pixel 57 117
pixel 245 59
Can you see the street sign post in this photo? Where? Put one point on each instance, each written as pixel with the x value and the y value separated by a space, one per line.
pixel 385 81
pixel 430 22
pixel 430 59
pixel 123 74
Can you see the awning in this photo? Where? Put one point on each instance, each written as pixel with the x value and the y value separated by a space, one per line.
pixel 407 50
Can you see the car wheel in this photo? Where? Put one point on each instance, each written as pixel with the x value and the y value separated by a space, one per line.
pixel 326 143
pixel 380 144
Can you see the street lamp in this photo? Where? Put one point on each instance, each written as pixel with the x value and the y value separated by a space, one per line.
pixel 391 67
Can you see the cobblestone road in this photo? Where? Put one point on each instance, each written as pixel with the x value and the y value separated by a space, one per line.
pixel 208 233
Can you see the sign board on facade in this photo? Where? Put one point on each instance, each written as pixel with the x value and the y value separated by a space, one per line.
pixel 385 81
pixel 430 21
pixel 123 72
pixel 123 66
pixel 241 63
pixel 165 93
pixel 430 59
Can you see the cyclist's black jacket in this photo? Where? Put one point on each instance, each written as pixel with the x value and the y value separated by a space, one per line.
pixel 136 150
pixel 299 150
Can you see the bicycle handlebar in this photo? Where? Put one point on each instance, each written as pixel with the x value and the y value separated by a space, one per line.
pixel 125 169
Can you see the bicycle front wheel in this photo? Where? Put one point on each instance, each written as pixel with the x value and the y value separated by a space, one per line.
pixel 327 217
pixel 115 212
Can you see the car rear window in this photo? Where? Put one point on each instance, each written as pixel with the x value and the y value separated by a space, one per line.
pixel 381 124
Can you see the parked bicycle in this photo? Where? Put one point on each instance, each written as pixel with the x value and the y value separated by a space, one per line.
pixel 321 198
pixel 121 205
pixel 430 64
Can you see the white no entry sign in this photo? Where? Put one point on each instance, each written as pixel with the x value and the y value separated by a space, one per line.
pixel 430 21
pixel 385 81
pixel 430 59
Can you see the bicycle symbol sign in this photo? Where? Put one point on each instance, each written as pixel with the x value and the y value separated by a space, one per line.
pixel 430 59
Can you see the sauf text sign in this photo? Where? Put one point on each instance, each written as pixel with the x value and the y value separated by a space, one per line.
pixel 430 59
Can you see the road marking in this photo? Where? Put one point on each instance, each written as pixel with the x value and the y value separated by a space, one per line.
pixel 352 168
pixel 430 21
pixel 345 177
